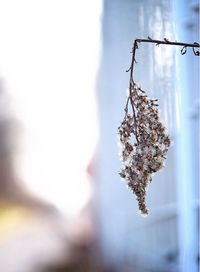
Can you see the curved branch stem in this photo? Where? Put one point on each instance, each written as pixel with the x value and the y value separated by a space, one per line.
pixel 158 42
pixel 133 61
pixel 167 42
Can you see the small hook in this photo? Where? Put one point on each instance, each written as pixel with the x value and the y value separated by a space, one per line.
pixel 166 40
pixel 128 69
pixel 183 50
pixel 197 53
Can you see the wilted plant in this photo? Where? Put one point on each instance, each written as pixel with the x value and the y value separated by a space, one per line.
pixel 146 156
pixel 146 153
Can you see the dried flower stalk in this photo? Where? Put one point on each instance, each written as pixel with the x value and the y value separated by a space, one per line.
pixel 147 155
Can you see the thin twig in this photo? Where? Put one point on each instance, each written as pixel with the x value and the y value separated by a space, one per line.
pixel 167 42
pixel 158 42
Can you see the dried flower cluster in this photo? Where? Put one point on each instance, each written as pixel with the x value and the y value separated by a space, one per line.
pixel 146 155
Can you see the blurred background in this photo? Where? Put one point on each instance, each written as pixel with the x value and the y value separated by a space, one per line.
pixel 63 206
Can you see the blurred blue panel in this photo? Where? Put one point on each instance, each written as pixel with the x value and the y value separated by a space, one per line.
pixel 166 240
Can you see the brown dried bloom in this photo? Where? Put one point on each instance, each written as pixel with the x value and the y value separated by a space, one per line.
pixel 147 155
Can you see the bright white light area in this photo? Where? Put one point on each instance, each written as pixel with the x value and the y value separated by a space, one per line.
pixel 49 53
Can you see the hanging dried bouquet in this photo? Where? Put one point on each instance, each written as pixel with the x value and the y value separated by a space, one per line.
pixel 143 138
pixel 147 154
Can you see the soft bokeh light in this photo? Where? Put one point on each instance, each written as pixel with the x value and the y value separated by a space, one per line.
pixel 49 68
